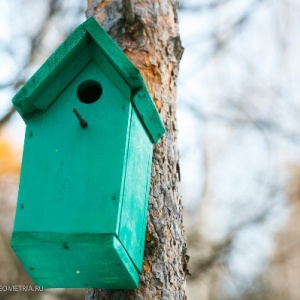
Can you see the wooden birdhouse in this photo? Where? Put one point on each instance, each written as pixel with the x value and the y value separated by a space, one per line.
pixel 83 197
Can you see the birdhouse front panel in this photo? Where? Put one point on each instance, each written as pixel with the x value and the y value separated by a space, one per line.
pixel 67 163
pixel 72 178
pixel 82 206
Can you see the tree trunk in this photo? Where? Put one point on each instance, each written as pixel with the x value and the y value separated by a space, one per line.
pixel 153 44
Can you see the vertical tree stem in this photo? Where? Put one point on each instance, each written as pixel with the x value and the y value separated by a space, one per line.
pixel 128 11
pixel 154 46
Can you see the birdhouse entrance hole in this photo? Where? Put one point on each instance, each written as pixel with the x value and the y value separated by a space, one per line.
pixel 89 91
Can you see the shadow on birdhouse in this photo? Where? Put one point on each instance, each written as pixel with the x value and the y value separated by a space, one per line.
pixel 83 197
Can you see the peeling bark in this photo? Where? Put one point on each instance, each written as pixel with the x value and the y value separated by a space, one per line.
pixel 153 44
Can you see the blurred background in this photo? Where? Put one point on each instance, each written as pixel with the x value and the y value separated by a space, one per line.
pixel 239 139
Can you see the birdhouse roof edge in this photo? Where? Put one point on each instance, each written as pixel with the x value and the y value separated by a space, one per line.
pixel 28 98
pixel 145 106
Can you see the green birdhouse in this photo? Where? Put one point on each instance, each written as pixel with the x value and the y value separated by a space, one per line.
pixel 83 198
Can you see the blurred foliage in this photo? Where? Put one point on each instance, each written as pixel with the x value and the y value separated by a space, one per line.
pixel 9 157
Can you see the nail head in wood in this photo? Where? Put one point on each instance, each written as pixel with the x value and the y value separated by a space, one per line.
pixel 83 123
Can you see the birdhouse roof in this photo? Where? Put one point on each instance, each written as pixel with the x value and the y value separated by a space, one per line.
pixel 88 41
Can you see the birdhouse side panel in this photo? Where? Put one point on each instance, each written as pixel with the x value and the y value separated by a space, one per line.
pixel 136 191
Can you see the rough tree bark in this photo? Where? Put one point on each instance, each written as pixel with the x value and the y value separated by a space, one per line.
pixel 153 44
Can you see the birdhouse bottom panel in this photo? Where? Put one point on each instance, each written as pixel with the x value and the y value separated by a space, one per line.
pixel 75 260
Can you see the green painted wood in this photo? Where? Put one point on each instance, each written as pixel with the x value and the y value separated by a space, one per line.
pixel 71 186
pixel 146 107
pixel 113 53
pixel 136 192
pixel 148 113
pixel 83 168
pixel 58 84
pixel 70 57
pixel 111 72
pixel 85 189
pixel 25 99
pixel 75 260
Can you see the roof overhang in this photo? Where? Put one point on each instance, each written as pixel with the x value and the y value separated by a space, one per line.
pixel 70 58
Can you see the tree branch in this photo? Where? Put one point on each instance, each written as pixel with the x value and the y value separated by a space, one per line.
pixel 7 116
pixel 35 43
pixel 128 11
pixel 220 250
pixel 245 120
